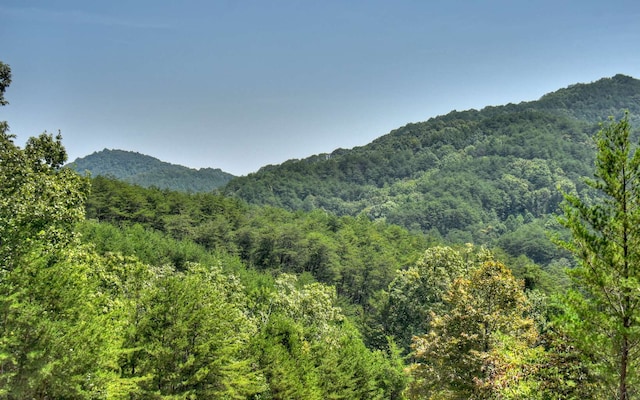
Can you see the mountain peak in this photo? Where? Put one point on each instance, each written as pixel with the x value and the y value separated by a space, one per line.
pixel 144 170
pixel 596 101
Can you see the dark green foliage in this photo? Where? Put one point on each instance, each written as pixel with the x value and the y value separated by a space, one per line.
pixel 597 101
pixel 532 240
pixel 5 81
pixel 476 176
pixel 465 176
pixel 563 372
pixel 147 171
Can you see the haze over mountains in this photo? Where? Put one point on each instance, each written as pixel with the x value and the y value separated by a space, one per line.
pixel 483 176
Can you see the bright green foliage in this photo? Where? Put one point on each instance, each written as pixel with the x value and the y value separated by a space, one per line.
pixel 150 247
pixel 417 292
pixel 39 201
pixel 606 240
pixel 460 356
pixel 308 349
pixel 53 341
pixel 286 360
pixel 313 305
pixel 359 257
pixel 175 295
pixel 56 331
pixel 190 338
pixel 351 371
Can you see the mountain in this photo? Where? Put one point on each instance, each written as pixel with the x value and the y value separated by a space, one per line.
pixel 148 171
pixel 487 176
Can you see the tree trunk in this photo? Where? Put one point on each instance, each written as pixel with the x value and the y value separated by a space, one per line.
pixel 624 361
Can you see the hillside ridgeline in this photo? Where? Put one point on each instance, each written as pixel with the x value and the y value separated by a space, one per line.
pixel 487 177
pixel 148 171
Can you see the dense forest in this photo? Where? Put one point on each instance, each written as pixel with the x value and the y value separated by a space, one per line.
pixel 463 257
pixel 487 177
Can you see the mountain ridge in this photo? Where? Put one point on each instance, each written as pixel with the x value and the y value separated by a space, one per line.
pixel 467 176
pixel 147 171
pixel 488 176
pixel 552 101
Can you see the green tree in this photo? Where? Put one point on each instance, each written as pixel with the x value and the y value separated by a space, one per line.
pixel 606 240
pixel 419 290
pixel 53 341
pixel 56 330
pixel 191 337
pixel 460 356
pixel 307 349
pixel 5 81
pixel 405 308
pixel 39 201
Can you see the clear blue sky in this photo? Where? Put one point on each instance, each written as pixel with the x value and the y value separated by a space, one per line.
pixel 239 84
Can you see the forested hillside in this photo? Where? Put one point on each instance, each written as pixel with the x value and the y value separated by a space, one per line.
pixel 110 290
pixel 487 177
pixel 148 171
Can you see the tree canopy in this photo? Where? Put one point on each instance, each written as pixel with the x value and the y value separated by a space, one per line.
pixel 111 290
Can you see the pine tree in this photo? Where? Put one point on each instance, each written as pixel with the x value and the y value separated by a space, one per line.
pixel 604 313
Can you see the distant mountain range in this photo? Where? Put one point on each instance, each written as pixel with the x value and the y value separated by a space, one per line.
pixel 148 171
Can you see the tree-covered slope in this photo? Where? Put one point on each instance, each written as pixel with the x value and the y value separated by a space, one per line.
pixel 163 294
pixel 470 176
pixel 148 171
pixel 597 101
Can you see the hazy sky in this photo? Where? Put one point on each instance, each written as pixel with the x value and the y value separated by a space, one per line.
pixel 239 84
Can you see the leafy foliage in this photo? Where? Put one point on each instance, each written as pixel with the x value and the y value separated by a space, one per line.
pixel 457 358
pixel 165 295
pixel 418 291
pixel 356 255
pixel 5 81
pixel 39 201
pixel 52 344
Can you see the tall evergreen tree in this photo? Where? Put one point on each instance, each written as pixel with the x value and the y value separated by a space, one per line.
pixel 606 239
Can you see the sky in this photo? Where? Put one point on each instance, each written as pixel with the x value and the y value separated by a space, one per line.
pixel 240 84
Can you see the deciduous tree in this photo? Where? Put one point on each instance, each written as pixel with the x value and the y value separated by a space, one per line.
pixel 457 358
pixel 53 341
